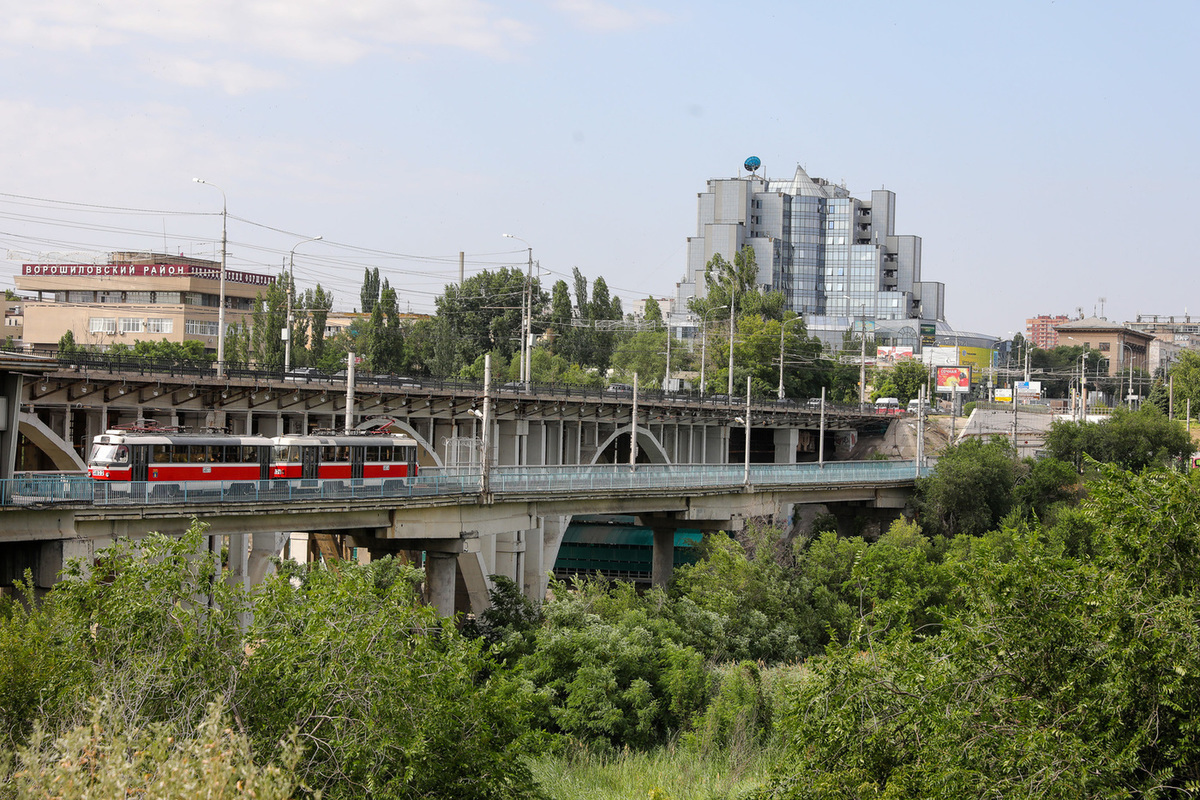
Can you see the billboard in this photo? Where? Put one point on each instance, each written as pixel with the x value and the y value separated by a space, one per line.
pixel 928 333
pixel 890 355
pixel 953 379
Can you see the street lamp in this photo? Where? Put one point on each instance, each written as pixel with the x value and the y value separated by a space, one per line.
pixel 221 307
pixel 732 303
pixel 526 312
pixel 782 326
pixel 704 342
pixel 287 331
pixel 1129 366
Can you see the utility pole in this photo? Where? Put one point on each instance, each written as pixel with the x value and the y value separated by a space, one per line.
pixel 291 290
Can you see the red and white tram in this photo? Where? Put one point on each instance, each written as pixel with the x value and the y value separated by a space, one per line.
pixel 370 457
pixel 172 456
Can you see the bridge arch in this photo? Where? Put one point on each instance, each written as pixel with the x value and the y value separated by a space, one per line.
pixel 647 444
pixel 400 425
pixel 54 446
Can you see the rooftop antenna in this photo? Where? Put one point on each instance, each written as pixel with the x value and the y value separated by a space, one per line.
pixel 1102 301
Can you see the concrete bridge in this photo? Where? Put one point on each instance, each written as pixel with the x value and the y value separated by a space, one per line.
pixel 469 526
pixel 467 536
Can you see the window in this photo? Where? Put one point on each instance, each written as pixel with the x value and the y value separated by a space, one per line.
pixel 130 325
pixel 199 327
pixel 160 325
pixel 1102 347
pixel 102 325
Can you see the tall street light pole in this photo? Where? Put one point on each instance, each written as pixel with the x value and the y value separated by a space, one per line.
pixel 287 332
pixel 526 313
pixel 221 300
pixel 1129 366
pixel 732 304
pixel 783 326
pixel 704 342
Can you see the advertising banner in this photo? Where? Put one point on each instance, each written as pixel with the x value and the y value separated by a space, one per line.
pixel 890 355
pixel 953 379
pixel 928 333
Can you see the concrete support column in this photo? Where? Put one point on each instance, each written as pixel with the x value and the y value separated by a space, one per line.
pixel 664 556
pixel 263 547
pixel 440 571
pixel 786 442
pixel 533 571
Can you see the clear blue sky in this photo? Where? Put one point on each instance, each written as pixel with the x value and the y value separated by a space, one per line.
pixel 1042 150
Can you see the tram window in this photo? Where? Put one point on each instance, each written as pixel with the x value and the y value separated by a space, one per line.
pixel 343 453
pixel 249 454
pixel 122 456
pixel 385 452
pixel 328 453
pixel 294 454
pixel 198 453
pixel 179 454
pixel 161 453
pixel 371 453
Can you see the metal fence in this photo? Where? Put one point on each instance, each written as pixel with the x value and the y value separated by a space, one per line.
pixel 48 489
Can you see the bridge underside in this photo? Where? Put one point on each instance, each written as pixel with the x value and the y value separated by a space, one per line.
pixel 465 543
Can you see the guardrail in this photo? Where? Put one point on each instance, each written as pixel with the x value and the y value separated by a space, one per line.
pixel 85 362
pixel 50 489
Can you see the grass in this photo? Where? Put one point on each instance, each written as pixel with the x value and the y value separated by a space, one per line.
pixel 670 773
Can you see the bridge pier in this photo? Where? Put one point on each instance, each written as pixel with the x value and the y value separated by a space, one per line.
pixel 440 573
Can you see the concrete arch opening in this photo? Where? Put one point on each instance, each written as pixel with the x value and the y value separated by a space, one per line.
pixel 57 449
pixel 615 449
pixel 394 424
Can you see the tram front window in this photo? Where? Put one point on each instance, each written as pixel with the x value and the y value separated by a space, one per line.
pixel 109 454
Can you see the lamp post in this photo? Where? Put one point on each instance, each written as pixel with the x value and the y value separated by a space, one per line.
pixel 732 304
pixel 221 300
pixel 1129 396
pixel 704 342
pixel 287 332
pixel 783 326
pixel 526 312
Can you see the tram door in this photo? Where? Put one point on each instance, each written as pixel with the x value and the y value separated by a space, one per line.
pixel 412 461
pixel 138 458
pixel 310 462
pixel 264 463
pixel 357 456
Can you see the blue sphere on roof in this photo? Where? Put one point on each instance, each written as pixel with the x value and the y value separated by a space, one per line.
pixel 752 164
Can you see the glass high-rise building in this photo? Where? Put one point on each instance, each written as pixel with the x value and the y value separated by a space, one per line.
pixel 836 258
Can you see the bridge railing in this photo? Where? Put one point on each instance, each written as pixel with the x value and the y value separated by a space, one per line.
pixel 205 370
pixel 46 489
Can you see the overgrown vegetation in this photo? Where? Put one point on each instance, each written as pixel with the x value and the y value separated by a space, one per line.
pixel 1042 640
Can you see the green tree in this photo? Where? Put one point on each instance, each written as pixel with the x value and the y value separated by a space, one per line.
pixel 391 700
pixel 903 380
pixel 1054 677
pixel 736 285
pixel 1185 378
pixel 652 313
pixel 317 304
pixel 1133 440
pixel 368 295
pixel 970 489
pixel 484 314
pixel 66 344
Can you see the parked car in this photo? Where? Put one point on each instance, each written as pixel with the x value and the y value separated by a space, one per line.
pixel 305 374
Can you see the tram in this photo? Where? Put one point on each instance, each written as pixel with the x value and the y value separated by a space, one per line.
pixel 166 455
pixel 371 457
pixel 171 456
